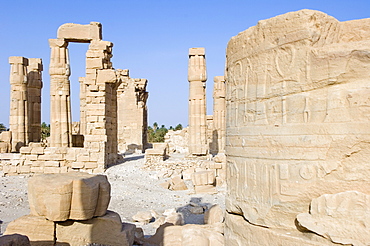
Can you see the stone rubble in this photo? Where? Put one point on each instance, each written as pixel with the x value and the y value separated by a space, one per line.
pixel 71 208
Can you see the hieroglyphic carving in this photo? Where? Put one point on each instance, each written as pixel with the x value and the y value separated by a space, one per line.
pixel 305 98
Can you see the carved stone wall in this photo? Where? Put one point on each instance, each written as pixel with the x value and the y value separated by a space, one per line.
pixel 132 114
pixel 297 118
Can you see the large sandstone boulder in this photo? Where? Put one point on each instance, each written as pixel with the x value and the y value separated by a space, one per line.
pixel 214 214
pixel 187 235
pixel 104 230
pixel 77 196
pixel 36 228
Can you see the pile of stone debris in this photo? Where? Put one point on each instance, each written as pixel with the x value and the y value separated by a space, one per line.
pixel 71 209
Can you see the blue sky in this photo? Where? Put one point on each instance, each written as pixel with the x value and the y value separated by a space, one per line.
pixel 151 38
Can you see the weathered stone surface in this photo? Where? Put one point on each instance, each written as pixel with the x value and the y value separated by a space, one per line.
pixel 143 217
pixel 297 106
pixel 214 214
pixel 238 232
pixel 173 217
pixel 178 141
pixel 203 178
pixel 177 183
pixel 80 33
pixel 36 228
pixel 59 197
pixel 209 189
pixel 25 101
pixel 188 235
pixel 104 230
pixel 219 116
pixel 343 217
pixel 14 240
pixel 132 114
pixel 197 76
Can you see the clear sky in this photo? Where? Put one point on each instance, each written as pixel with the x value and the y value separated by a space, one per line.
pixel 151 38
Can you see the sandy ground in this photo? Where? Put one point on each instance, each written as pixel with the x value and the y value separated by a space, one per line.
pixel 133 189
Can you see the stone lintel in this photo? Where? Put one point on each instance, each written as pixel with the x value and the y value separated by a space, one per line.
pixel 80 33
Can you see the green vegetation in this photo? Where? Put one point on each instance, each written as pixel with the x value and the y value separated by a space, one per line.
pixel 156 134
pixel 45 130
pixel 3 127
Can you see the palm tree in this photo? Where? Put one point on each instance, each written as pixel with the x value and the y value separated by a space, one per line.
pixel 178 127
pixel 45 130
pixel 2 127
pixel 155 126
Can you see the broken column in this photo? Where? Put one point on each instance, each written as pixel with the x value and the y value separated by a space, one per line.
pixel 297 129
pixel 34 79
pixel 132 114
pixel 219 117
pixel 197 78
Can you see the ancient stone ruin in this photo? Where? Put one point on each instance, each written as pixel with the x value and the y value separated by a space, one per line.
pixel 106 95
pixel 25 101
pixel 132 114
pixel 202 142
pixel 290 124
pixel 71 209
pixel 297 131
pixel 197 78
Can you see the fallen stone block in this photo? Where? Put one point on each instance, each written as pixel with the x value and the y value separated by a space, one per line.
pixel 143 217
pixel 177 184
pixel 77 196
pixel 341 217
pixel 214 214
pixel 175 218
pixel 3 147
pixel 239 232
pixel 186 174
pixel 104 230
pixel 187 235
pixel 36 228
pixel 209 189
pixel 203 178
pixel 196 210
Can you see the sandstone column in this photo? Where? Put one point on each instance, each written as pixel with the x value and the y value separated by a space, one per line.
pixel 18 102
pixel 34 78
pixel 60 104
pixel 197 78
pixel 219 108
pixel 297 131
